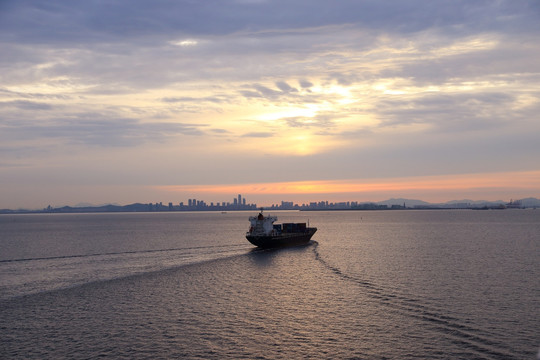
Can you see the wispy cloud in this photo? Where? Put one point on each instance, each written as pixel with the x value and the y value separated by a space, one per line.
pixel 25 105
pixel 258 134
pixel 110 132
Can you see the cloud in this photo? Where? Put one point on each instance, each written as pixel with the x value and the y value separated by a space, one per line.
pixel 89 129
pixel 258 135
pixel 189 99
pixel 283 93
pixel 57 21
pixel 32 95
pixel 283 86
pixel 305 84
pixel 127 46
pixel 267 92
pixel 26 105
pixel 322 120
pixel 220 131
pixel 447 112
pixel 183 43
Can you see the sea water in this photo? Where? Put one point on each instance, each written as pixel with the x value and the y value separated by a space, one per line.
pixel 401 284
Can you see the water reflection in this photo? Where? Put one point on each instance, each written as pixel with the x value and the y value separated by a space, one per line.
pixel 265 257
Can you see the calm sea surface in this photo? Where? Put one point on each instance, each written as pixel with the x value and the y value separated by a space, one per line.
pixel 371 285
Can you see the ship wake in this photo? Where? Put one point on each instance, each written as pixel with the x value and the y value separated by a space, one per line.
pixel 480 342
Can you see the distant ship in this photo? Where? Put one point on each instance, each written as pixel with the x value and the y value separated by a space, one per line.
pixel 265 234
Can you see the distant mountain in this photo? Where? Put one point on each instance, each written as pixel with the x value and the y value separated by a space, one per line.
pixel 526 203
pixel 530 202
pixel 90 205
pixel 475 202
pixel 401 201
pixel 104 208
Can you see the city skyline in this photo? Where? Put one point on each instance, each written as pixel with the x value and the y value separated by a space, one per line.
pixel 304 100
pixel 239 203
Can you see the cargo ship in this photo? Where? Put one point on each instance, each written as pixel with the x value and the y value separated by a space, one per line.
pixel 265 234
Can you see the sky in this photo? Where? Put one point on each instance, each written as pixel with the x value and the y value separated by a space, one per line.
pixel 300 100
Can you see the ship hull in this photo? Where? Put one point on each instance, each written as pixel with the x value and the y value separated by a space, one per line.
pixel 283 240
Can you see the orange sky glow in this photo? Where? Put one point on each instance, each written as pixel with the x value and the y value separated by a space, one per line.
pixel 434 188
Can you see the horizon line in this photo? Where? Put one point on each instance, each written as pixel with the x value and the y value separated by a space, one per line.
pixel 294 204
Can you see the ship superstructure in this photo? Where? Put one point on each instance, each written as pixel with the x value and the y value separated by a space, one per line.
pixel 265 234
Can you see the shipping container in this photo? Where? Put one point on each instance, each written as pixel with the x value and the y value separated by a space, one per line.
pixel 288 227
pixel 294 227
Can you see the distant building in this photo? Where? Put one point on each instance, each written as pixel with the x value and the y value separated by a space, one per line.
pixel 514 204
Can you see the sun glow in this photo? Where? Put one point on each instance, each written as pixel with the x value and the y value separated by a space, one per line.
pixel 288 113
pixel 184 43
